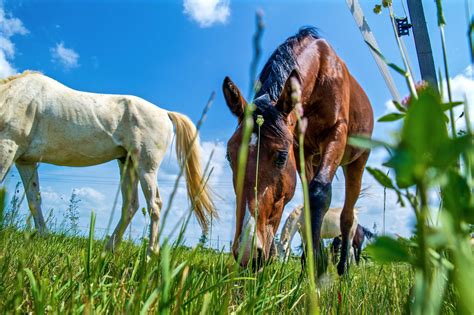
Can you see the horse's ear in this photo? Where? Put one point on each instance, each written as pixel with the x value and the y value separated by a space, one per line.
pixel 285 102
pixel 233 97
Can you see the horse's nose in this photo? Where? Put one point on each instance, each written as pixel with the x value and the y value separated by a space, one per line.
pixel 254 259
pixel 258 260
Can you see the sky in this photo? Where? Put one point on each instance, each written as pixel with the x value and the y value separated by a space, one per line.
pixel 174 54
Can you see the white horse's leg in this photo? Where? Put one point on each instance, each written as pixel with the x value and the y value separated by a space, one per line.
pixel 8 150
pixel 29 177
pixel 351 255
pixel 288 232
pixel 129 188
pixel 154 204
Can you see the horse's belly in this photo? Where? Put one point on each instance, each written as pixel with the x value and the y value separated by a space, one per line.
pixel 73 151
pixel 330 229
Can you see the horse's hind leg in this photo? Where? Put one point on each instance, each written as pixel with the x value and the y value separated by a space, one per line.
pixel 154 204
pixel 353 175
pixel 8 150
pixel 29 177
pixel 129 188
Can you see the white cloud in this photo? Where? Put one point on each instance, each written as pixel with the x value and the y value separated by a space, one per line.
pixel 90 194
pixel 462 88
pixel 67 57
pixel 50 196
pixel 207 12
pixel 9 27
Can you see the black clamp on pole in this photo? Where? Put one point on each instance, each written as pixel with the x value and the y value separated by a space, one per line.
pixel 403 27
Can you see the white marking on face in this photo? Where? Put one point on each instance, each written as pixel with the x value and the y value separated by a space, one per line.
pixel 249 224
pixel 253 139
pixel 248 228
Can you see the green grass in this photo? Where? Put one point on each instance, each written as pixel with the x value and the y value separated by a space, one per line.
pixel 53 274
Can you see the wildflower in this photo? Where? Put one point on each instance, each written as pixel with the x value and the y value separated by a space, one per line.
pixel 419 86
pixel 303 124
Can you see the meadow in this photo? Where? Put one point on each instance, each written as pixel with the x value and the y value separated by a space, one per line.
pixel 64 274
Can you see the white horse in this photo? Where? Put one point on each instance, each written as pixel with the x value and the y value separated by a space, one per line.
pixel 295 222
pixel 41 120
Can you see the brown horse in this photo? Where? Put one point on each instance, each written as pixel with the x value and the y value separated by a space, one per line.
pixel 335 107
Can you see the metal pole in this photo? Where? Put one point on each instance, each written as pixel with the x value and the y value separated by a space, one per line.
pixel 422 42
pixel 369 37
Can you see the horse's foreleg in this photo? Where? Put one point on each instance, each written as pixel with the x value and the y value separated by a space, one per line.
pixel 353 175
pixel 320 191
pixel 8 150
pixel 357 251
pixel 288 232
pixel 129 189
pixel 29 177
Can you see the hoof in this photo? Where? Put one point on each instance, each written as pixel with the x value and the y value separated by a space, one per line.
pixel 110 247
pixel 43 231
pixel 152 253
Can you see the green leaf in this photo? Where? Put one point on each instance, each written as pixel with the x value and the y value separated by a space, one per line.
pixel 391 117
pixel 452 150
pixel 391 65
pixel 399 106
pixel 381 177
pixel 448 106
pixel 424 140
pixel 424 130
pixel 367 143
pixel 457 197
pixel 387 250
pixel 402 162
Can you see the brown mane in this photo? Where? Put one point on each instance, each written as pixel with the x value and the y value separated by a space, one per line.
pixel 18 75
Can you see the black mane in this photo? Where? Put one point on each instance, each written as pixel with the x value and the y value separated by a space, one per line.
pixel 367 233
pixel 273 122
pixel 280 64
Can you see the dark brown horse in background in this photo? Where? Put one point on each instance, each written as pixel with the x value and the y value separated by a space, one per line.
pixel 360 235
pixel 335 107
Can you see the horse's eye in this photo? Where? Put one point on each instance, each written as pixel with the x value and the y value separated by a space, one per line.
pixel 281 158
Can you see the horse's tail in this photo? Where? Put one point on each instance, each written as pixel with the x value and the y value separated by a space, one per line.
pixel 188 154
pixel 367 233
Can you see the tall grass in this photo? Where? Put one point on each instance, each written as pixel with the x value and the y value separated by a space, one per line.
pixel 60 274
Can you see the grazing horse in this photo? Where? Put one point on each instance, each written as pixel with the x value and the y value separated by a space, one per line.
pixel 41 120
pixel 360 235
pixel 330 228
pixel 335 108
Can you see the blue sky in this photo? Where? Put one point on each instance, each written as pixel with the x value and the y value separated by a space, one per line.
pixel 175 53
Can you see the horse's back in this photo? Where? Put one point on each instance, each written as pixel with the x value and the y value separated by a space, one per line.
pixel 63 126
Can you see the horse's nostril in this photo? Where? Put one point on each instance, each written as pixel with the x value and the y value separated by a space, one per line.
pixel 259 260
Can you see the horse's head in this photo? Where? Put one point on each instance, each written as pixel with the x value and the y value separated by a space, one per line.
pixel 259 211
